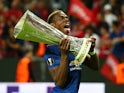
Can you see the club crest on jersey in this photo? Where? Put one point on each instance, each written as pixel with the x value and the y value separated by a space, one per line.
pixel 50 61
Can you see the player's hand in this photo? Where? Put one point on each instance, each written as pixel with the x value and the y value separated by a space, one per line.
pixel 92 40
pixel 64 45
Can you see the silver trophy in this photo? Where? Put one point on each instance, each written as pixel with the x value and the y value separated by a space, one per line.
pixel 32 28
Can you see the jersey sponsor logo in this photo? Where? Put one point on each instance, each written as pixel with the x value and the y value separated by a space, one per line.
pixel 75 68
pixel 74 65
pixel 50 61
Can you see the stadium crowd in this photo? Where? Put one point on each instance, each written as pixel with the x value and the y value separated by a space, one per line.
pixel 108 27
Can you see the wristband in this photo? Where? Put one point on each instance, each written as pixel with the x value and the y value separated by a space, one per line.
pixel 92 53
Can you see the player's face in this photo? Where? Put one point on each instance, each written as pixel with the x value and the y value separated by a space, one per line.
pixel 62 23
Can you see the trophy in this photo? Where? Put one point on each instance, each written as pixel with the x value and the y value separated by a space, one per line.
pixel 32 28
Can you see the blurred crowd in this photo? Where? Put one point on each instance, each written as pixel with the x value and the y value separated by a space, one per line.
pixel 108 28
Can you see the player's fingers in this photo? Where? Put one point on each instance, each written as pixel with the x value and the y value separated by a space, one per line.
pixel 67 44
pixel 62 43
pixel 93 39
pixel 89 40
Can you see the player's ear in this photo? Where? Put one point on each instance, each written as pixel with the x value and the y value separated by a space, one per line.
pixel 53 24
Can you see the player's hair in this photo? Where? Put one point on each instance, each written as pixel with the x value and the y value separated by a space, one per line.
pixel 51 17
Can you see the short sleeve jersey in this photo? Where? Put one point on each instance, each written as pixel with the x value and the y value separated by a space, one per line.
pixel 52 57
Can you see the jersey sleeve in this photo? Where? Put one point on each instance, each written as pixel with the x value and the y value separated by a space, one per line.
pixel 52 57
pixel 52 60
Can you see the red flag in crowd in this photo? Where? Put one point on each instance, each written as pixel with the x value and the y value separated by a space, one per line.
pixel 79 10
pixel 109 68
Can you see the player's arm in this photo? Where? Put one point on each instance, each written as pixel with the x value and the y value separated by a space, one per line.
pixel 93 62
pixel 60 73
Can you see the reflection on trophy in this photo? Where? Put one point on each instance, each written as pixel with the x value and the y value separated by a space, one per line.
pixel 32 28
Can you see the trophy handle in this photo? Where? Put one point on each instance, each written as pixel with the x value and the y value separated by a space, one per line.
pixel 83 52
